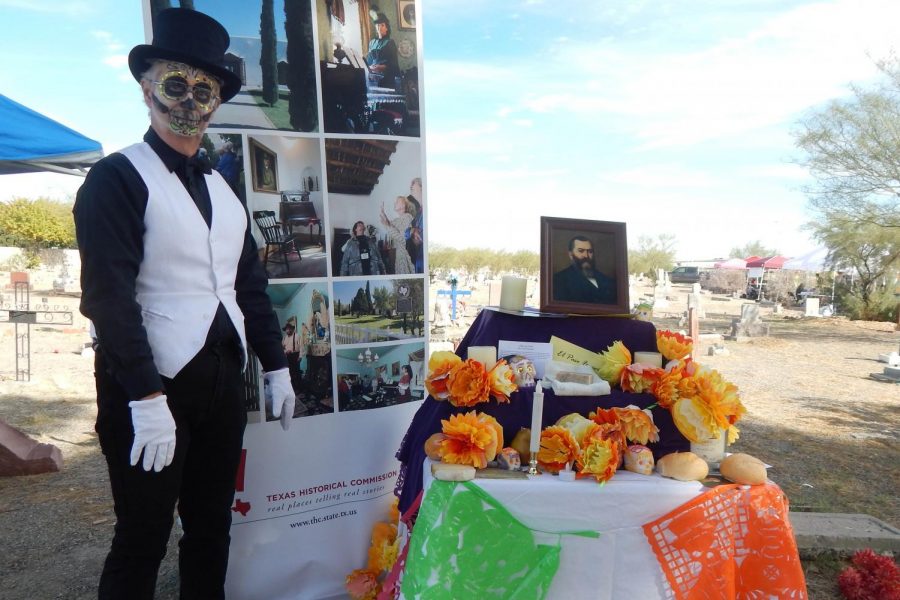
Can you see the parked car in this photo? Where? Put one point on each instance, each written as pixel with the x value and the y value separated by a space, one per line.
pixel 685 275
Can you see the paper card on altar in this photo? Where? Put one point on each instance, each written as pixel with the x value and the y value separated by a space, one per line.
pixel 564 351
pixel 536 352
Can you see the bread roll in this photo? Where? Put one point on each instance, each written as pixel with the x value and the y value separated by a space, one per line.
pixel 683 466
pixel 743 468
pixel 450 472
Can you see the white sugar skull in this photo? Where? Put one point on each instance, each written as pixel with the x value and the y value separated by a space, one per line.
pixel 182 96
pixel 523 370
pixel 639 459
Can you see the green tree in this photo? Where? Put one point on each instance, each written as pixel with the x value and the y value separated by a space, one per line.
pixel 35 224
pixel 381 299
pixel 872 253
pixel 754 248
pixel 301 73
pixel 268 55
pixel 652 254
pixel 852 150
pixel 526 262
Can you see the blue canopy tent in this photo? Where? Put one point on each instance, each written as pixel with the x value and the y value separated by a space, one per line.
pixel 30 143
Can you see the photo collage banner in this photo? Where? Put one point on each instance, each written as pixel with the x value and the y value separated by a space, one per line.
pixel 324 146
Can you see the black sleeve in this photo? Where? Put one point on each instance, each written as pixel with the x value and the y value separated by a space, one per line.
pixel 109 226
pixel 260 322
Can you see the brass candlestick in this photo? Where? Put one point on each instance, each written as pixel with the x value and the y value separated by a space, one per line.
pixel 532 467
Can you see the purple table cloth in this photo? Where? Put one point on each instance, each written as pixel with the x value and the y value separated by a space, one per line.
pixel 592 333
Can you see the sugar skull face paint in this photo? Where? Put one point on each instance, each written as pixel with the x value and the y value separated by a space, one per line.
pixel 183 95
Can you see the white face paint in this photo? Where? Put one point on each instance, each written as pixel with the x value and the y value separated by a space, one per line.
pixel 182 96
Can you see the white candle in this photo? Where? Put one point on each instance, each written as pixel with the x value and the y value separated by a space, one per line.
pixel 537 416
pixel 651 359
pixel 567 474
pixel 486 355
pixel 512 293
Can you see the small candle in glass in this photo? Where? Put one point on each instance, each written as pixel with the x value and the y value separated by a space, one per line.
pixel 486 355
pixel 651 359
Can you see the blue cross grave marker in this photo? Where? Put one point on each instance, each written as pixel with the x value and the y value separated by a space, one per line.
pixel 453 293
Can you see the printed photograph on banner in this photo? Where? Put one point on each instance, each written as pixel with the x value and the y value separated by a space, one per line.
pixel 378 310
pixel 376 207
pixel 369 66
pixel 225 153
pixel 285 199
pixel 272 52
pixel 378 376
pixel 303 315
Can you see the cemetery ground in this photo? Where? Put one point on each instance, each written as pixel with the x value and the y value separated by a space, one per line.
pixel 828 430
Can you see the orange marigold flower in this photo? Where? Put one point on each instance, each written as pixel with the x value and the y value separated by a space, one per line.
pixel 673 345
pixel 666 388
pixel 383 551
pixel 469 384
pixel 558 447
pixel 439 366
pixel 580 427
pixel 612 361
pixel 609 427
pixel 362 584
pixel 638 424
pixel 638 378
pixel 491 453
pixel 470 440
pixel 502 381
pixel 599 459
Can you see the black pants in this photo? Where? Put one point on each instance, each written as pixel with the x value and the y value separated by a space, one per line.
pixel 207 404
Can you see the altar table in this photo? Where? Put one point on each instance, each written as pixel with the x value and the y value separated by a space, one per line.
pixel 627 512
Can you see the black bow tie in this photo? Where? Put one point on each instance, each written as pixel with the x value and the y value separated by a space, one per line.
pixel 198 164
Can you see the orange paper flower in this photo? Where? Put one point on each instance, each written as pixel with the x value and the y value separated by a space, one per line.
pixel 394 511
pixel 470 440
pixel 612 361
pixel 599 459
pixel 667 387
pixel 558 447
pixel 469 384
pixel 439 366
pixel 362 584
pixel 637 424
pixel 609 428
pixel 502 381
pixel 638 378
pixel 673 345
pixel 383 551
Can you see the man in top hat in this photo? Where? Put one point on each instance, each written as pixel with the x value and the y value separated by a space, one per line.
pixel 382 56
pixel 172 282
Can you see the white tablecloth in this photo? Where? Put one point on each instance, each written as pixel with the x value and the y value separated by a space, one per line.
pixel 617 565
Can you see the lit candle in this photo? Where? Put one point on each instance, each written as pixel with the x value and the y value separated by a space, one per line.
pixel 537 416
pixel 512 293
pixel 651 359
pixel 486 355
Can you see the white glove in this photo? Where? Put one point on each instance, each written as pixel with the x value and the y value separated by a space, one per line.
pixel 154 433
pixel 280 395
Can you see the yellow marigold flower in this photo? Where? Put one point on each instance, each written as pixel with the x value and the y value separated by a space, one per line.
pixel 733 434
pixel 599 459
pixel 470 440
pixel 638 378
pixel 577 425
pixel 558 447
pixel 383 551
pixel 673 345
pixel 609 427
pixel 468 384
pixel 362 584
pixel 439 366
pixel 694 419
pixel 394 511
pixel 502 381
pixel 612 361
pixel 638 424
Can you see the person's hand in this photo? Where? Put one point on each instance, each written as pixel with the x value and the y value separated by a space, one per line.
pixel 154 433
pixel 280 393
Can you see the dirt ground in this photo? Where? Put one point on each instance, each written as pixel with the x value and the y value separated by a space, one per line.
pixel 830 432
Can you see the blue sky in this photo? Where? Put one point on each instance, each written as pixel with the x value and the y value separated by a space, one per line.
pixel 675 117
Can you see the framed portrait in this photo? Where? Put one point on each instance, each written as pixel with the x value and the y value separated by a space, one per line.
pixel 395 369
pixel 264 166
pixel 406 14
pixel 584 267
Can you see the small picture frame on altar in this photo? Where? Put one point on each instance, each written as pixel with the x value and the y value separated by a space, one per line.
pixel 584 267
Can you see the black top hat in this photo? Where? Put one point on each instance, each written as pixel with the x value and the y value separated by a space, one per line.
pixel 382 18
pixel 191 37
